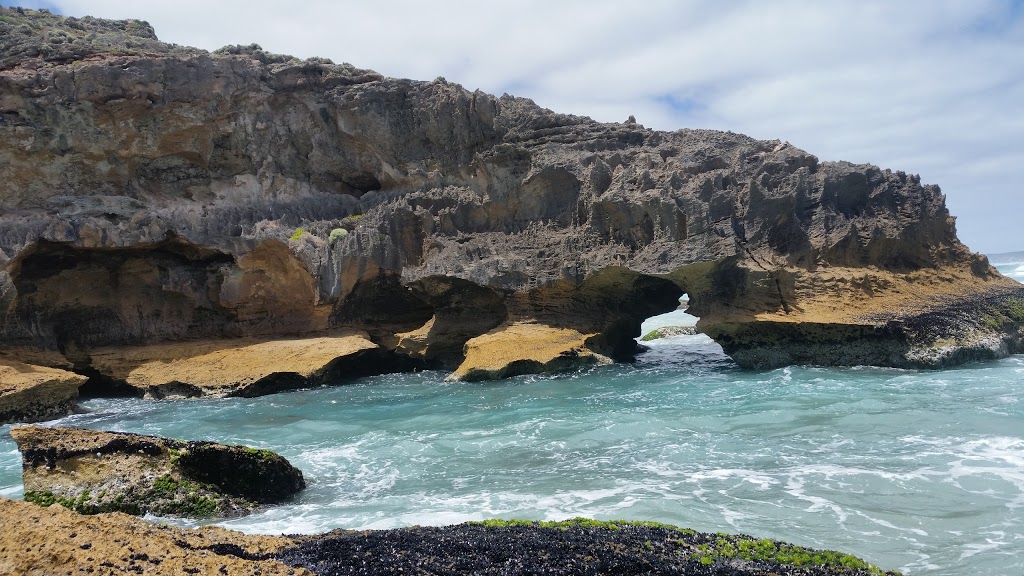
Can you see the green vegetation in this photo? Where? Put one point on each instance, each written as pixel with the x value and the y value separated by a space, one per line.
pixel 709 549
pixel 260 454
pixel 46 498
pixel 175 455
pixel 337 234
pixel 298 234
pixel 195 504
pixel 745 548
pixel 1015 309
pixel 652 335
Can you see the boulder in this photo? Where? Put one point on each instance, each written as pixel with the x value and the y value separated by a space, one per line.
pixel 525 349
pixel 91 471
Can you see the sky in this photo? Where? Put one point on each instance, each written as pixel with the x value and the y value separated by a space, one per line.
pixel 931 87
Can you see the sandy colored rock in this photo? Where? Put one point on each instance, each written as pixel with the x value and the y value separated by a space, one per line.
pixel 36 541
pixel 93 471
pixel 31 393
pixel 227 367
pixel 525 349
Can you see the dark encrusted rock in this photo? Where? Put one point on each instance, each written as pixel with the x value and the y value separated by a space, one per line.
pixel 92 471
pixel 574 547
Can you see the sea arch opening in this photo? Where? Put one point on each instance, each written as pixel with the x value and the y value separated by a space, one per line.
pixel 672 339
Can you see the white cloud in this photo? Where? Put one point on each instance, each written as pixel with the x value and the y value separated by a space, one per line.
pixel 928 86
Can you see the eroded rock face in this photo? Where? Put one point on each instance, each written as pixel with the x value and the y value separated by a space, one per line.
pixel 91 472
pixel 188 194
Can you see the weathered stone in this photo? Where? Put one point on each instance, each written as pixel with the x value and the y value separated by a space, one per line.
pixel 525 349
pixel 54 540
pixel 33 393
pixel 238 367
pixel 91 471
pixel 194 196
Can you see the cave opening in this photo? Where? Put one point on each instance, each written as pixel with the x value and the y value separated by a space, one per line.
pixel 672 339
pixel 72 298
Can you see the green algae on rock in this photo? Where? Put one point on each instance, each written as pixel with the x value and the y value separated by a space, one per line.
pixel 92 472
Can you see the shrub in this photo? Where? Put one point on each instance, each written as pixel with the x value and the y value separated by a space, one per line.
pixel 337 234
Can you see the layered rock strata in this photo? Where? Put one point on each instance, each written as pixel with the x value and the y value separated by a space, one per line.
pixel 90 472
pixel 187 195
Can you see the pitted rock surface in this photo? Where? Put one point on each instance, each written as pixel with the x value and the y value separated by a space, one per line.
pixel 195 195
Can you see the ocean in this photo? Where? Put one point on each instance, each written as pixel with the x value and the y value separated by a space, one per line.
pixel 921 471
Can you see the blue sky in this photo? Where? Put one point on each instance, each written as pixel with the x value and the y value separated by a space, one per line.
pixel 934 87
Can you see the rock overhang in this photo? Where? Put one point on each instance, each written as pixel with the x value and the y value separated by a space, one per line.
pixel 461 213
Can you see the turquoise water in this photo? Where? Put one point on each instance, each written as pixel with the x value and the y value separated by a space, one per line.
pixel 920 471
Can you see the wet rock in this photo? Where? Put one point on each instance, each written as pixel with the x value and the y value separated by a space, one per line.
pixel 91 472
pixel 563 548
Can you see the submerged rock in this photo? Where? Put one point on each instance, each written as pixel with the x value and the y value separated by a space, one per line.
pixel 91 471
pixel 243 194
pixel 33 393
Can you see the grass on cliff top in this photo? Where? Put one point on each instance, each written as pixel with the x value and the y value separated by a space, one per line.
pixel 710 549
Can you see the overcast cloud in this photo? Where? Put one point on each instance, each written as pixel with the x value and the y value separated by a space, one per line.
pixel 934 87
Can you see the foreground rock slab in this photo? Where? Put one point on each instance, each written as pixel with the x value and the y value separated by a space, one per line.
pixel 32 393
pixel 44 541
pixel 54 540
pixel 91 471
pixel 229 367
pixel 572 547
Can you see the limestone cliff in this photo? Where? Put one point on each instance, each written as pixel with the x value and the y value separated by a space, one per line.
pixel 153 193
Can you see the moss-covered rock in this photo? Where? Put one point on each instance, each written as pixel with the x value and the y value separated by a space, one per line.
pixel 91 472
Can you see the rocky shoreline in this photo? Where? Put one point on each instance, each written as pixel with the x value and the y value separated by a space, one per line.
pixel 176 223
pixel 35 540
pixel 216 208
